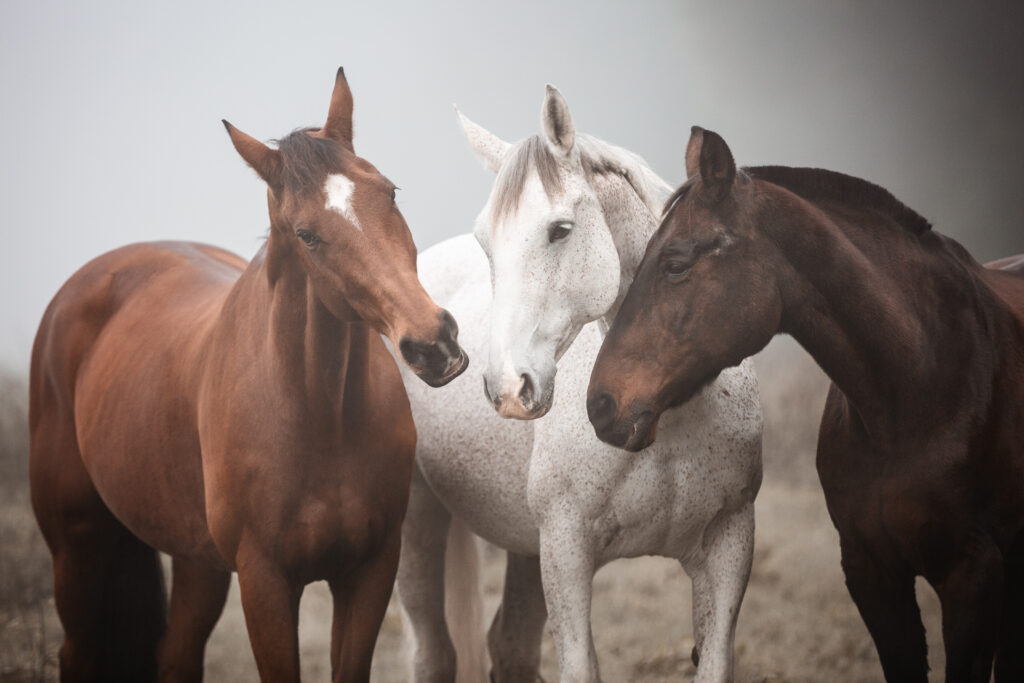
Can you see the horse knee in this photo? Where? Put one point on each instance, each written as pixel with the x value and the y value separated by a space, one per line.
pixel 579 667
pixel 972 594
pixel 975 583
pixel 434 664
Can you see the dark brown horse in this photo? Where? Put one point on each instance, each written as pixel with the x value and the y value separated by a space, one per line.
pixel 921 448
pixel 238 417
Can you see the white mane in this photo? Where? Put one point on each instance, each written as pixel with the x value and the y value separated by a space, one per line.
pixel 599 156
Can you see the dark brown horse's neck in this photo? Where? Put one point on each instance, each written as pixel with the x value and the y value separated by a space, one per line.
pixel 872 303
pixel 317 357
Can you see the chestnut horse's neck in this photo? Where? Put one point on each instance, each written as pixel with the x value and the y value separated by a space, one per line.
pixel 897 318
pixel 315 356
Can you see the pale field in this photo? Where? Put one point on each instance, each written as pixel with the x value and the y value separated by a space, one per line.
pixel 797 622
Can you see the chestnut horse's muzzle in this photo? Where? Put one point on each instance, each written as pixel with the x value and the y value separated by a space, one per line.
pixel 437 362
pixel 632 432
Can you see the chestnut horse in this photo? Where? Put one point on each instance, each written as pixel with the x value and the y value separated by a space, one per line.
pixel 921 447
pixel 238 417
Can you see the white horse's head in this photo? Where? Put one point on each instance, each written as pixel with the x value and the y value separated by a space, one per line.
pixel 554 261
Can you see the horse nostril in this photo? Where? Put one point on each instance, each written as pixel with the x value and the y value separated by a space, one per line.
pixel 601 410
pixel 527 390
pixel 415 353
pixel 494 400
pixel 449 330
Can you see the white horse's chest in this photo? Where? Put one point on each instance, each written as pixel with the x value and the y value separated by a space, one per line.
pixel 474 461
pixel 506 477
pixel 661 499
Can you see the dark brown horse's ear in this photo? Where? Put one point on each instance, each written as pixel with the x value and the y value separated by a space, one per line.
pixel 339 117
pixel 264 160
pixel 693 151
pixel 717 168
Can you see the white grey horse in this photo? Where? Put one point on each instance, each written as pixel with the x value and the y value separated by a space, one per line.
pixel 564 230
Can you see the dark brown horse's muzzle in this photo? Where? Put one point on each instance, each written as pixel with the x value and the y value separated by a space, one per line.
pixel 437 362
pixel 632 432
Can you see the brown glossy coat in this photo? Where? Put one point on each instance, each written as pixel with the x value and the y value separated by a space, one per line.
pixel 921 446
pixel 239 417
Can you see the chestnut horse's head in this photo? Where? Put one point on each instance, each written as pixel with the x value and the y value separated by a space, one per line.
pixel 335 214
pixel 706 296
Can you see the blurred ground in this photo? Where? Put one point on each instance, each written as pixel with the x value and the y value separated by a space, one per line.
pixel 797 623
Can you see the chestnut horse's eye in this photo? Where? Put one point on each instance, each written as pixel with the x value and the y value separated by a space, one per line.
pixel 559 231
pixel 393 191
pixel 308 238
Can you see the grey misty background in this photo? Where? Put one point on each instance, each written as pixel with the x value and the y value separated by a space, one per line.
pixel 111 111
pixel 110 114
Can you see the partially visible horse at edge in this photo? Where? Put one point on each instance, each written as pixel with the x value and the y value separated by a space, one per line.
pixel 921 445
pixel 562 233
pixel 239 417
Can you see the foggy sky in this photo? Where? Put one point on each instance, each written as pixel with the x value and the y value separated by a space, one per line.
pixel 111 115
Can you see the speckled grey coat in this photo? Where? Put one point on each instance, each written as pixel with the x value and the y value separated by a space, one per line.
pixel 548 488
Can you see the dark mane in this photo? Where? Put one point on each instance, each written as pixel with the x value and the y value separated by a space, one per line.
pixel 675 197
pixel 307 160
pixel 816 183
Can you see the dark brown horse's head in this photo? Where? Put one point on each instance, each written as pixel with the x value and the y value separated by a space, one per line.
pixel 333 213
pixel 704 298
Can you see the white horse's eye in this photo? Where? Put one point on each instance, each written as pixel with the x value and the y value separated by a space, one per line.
pixel 559 231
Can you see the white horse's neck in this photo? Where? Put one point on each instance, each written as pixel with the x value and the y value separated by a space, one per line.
pixel 631 196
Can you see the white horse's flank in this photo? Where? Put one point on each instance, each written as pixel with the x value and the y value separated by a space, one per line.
pixel 562 253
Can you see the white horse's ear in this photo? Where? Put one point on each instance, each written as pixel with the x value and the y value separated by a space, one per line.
pixel 489 147
pixel 557 122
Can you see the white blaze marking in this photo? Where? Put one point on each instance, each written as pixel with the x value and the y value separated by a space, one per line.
pixel 338 189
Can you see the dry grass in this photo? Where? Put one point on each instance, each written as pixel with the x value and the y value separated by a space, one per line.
pixel 29 631
pixel 797 622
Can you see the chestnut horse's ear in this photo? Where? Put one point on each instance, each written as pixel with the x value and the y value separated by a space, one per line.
pixel 489 147
pixel 717 168
pixel 693 151
pixel 557 122
pixel 264 160
pixel 339 117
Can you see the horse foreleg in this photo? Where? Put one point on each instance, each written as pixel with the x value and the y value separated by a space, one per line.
pixel 701 608
pixel 421 584
pixel 567 569
pixel 515 635
pixel 972 593
pixel 270 602
pixel 719 582
pixel 197 600
pixel 361 598
pixel 887 604
pixel 1010 656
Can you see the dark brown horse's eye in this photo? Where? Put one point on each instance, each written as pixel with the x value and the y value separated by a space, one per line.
pixel 559 231
pixel 308 238
pixel 675 267
pixel 393 191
